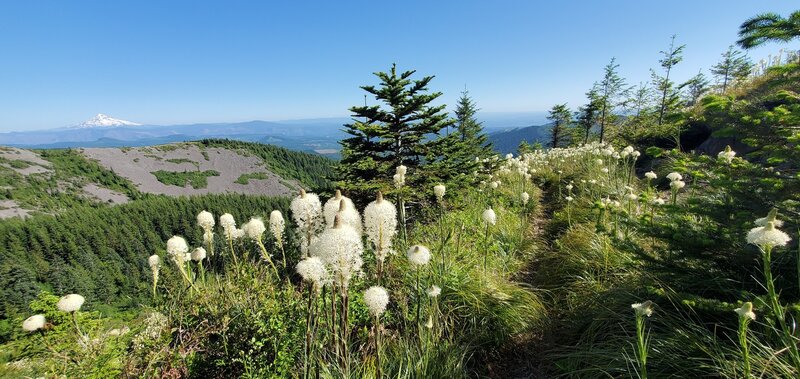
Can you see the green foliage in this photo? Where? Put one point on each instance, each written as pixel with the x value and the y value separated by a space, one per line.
pixel 403 130
pixel 769 27
pixel 732 69
pixel 459 149
pixel 763 115
pixel 691 259
pixel 101 253
pixel 96 350
pixel 561 118
pixel 608 92
pixel 245 178
pixel 183 160
pixel 197 179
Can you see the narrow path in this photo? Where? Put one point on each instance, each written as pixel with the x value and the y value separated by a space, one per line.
pixel 522 357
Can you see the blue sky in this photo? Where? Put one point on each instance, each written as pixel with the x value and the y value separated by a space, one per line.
pixel 166 62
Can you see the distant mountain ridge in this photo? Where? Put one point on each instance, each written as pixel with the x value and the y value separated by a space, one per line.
pixel 507 141
pixel 319 135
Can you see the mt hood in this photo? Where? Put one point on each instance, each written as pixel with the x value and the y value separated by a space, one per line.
pixel 102 120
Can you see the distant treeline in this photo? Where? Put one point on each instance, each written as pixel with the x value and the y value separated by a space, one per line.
pixel 102 252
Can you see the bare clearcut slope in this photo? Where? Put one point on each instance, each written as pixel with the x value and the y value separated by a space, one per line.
pixel 224 170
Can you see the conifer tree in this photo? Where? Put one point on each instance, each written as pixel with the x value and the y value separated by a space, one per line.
pixel 769 27
pixel 608 92
pixel 401 130
pixel 665 86
pixel 470 130
pixel 639 106
pixel 457 163
pixel 587 115
pixel 524 148
pixel 561 117
pixel 695 87
pixel 734 66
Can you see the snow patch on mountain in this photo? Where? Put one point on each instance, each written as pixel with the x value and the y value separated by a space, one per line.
pixel 102 120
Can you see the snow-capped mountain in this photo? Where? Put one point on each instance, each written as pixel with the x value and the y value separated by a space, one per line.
pixel 102 120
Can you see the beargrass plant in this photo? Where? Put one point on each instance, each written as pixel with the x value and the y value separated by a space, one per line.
pixel 768 237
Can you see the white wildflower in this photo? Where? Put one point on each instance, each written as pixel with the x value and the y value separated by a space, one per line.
pixel 418 255
pixel 228 225
pixel 205 220
pixel 767 237
pixel 340 248
pixel 439 191
pixel 489 217
pixel 277 225
pixel 70 303
pixel 650 175
pixel 643 309
pixel 677 184
pixel 434 291
pixel 154 262
pixel 673 176
pixel 177 249
pixel 313 270
pixel 332 207
pixel 727 155
pixel 306 212
pixel 771 216
pixel 348 215
pixel 376 298
pixel 380 222
pixel 525 198
pixel 254 228
pixel 198 254
pixel 399 180
pixel 746 311
pixel 33 323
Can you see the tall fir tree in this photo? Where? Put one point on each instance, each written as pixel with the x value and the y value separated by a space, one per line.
pixel 470 130
pixel 735 66
pixel 609 91
pixel 403 129
pixel 695 88
pixel 669 96
pixel 639 107
pixel 461 147
pixel 587 116
pixel 561 118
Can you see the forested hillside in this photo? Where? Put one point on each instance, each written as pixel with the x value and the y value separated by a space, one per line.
pixel 77 243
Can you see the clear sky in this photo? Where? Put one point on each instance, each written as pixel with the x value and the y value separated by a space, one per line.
pixel 166 62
